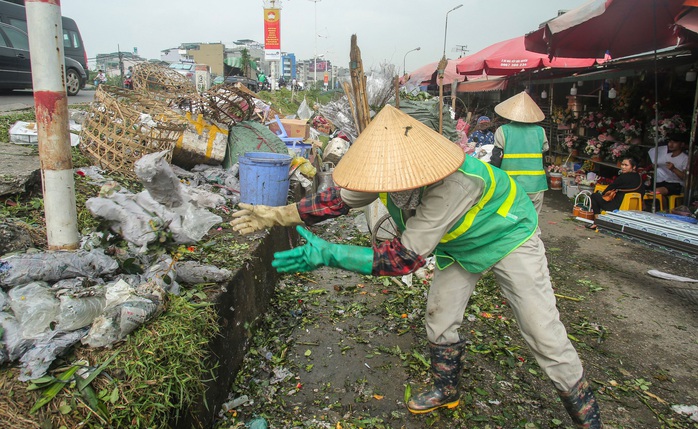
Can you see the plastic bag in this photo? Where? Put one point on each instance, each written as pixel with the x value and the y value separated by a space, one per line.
pixel 36 308
pixel 54 266
pixel 14 343
pixel 127 309
pixel 159 180
pixel 37 360
pixel 304 112
pixel 76 313
pixel 192 272
pixel 4 302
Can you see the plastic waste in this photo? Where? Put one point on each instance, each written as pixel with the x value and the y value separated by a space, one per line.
pixel 163 272
pixel 14 343
pixel 192 272
pixel 304 166
pixel 53 266
pixel 36 307
pixel 127 309
pixel 37 360
pixel 257 423
pixel 158 178
pixel 4 302
pixel 76 313
pixel 304 112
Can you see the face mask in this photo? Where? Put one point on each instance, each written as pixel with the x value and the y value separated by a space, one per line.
pixel 406 200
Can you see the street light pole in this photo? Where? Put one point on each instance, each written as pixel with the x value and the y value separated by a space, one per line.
pixel 441 67
pixel 315 37
pixel 404 69
pixel 446 27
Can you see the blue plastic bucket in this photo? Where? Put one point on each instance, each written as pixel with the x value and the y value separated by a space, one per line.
pixel 264 178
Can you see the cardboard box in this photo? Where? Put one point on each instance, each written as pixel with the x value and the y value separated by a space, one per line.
pixel 293 127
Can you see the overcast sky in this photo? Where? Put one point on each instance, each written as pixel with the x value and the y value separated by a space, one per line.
pixel 386 29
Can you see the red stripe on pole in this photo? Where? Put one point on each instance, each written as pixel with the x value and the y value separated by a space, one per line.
pixel 54 2
pixel 46 102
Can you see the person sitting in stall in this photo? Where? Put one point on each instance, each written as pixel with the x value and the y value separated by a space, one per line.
pixel 481 133
pixel 671 164
pixel 629 180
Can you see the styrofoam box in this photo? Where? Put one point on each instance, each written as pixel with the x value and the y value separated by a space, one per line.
pixel 24 133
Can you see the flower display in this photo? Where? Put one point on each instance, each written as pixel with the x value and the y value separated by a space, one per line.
pixel 593 147
pixel 617 150
pixel 571 142
pixel 552 168
pixel 668 125
pixel 562 116
pixel 629 129
pixel 597 121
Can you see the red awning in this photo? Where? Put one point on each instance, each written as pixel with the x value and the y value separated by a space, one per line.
pixel 427 74
pixel 619 27
pixel 482 85
pixel 689 20
pixel 510 57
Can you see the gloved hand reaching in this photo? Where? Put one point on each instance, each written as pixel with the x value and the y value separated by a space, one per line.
pixel 318 252
pixel 256 218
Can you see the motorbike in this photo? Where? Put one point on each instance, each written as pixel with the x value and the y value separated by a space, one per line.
pixel 128 82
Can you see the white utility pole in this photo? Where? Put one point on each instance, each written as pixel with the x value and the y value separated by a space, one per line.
pixel 48 70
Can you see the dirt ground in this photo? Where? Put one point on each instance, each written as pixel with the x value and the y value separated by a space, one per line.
pixel 343 351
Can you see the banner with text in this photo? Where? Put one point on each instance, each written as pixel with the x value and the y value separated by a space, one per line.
pixel 272 34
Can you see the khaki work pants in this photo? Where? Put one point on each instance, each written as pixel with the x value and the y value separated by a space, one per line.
pixel 525 282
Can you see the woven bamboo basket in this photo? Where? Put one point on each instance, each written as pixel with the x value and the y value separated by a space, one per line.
pixel 124 125
pixel 162 83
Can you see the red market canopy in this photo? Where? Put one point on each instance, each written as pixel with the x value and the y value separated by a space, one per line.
pixel 427 73
pixel 510 57
pixel 496 83
pixel 619 27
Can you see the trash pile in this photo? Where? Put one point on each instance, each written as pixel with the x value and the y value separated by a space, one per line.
pixel 57 299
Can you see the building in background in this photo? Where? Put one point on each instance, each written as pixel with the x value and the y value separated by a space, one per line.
pixel 112 63
pixel 288 66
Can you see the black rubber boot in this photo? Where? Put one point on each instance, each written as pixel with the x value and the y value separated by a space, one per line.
pixel 446 367
pixel 581 405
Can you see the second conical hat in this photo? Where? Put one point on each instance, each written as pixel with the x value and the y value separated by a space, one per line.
pixel 395 153
pixel 520 108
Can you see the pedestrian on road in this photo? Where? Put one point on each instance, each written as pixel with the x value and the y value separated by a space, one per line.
pixel 519 145
pixel 471 216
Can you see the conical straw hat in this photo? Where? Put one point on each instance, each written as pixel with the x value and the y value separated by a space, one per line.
pixel 520 108
pixel 395 153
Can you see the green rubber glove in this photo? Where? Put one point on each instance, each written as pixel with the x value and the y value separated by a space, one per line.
pixel 318 252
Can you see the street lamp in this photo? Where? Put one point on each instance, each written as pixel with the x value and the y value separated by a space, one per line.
pixel 446 27
pixel 404 70
pixel 316 36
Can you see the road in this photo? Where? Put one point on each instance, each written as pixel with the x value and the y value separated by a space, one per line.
pixel 24 99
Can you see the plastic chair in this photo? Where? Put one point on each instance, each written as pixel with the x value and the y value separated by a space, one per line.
pixel 600 188
pixel 631 201
pixel 674 201
pixel 660 200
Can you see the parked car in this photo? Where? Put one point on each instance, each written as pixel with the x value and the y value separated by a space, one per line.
pixel 15 63
pixel 251 84
pixel 16 16
pixel 185 69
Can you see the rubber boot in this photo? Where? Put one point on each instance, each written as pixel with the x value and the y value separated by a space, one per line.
pixel 446 367
pixel 581 405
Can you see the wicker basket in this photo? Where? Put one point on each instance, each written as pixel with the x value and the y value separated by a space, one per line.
pixel 162 83
pixel 124 125
pixel 582 206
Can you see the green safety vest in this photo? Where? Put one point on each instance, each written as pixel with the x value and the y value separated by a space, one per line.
pixel 502 220
pixel 523 156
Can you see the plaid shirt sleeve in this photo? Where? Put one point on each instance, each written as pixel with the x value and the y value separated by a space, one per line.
pixel 324 205
pixel 392 258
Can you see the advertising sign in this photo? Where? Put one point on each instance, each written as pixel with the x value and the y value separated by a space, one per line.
pixel 272 34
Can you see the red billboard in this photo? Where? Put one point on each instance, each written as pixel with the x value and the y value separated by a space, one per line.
pixel 272 34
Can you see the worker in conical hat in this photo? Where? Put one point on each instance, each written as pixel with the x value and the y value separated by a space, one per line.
pixel 519 145
pixel 471 216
